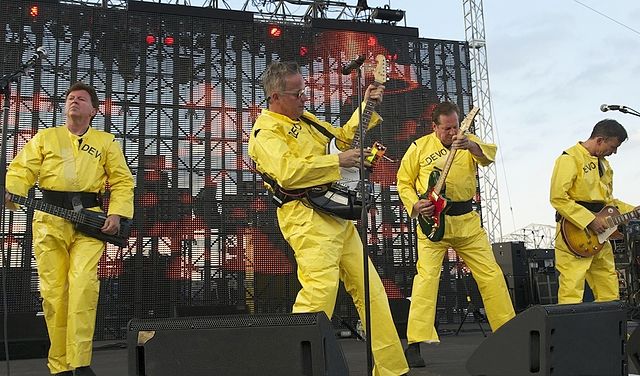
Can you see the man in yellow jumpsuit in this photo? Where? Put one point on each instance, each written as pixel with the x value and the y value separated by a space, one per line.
pixel 71 158
pixel 463 231
pixel 291 152
pixel 581 184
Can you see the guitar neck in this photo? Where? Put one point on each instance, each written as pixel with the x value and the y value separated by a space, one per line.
pixel 367 112
pixel 622 218
pixel 445 170
pixel 42 206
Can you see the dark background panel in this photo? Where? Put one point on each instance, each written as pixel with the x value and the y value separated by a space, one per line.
pixel 181 90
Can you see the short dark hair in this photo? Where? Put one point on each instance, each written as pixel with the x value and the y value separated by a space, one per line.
pixel 444 108
pixel 95 102
pixel 609 128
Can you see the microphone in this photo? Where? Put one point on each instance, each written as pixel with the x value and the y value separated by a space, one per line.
pixel 41 53
pixel 354 64
pixel 612 107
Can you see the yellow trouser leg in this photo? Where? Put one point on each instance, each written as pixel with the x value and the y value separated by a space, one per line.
pixel 67 264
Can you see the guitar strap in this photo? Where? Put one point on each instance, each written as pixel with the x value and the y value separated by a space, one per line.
pixel 319 127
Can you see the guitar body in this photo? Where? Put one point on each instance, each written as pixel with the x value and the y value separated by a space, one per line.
pixel 584 242
pixel 433 226
pixel 94 222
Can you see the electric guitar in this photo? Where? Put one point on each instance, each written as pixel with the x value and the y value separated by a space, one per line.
pixel 586 243
pixel 344 197
pixel 86 221
pixel 433 226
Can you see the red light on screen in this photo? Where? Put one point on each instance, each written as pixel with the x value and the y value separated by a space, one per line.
pixel 150 39
pixel 275 31
pixel 304 50
pixel 34 11
pixel 168 41
pixel 372 41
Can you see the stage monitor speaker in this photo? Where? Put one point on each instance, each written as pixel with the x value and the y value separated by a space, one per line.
pixel 570 339
pixel 234 345
pixel 27 336
pixel 633 348
pixel 519 290
pixel 512 258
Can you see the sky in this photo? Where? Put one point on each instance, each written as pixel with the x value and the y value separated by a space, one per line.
pixel 552 63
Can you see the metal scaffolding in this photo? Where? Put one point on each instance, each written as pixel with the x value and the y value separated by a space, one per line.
pixel 475 36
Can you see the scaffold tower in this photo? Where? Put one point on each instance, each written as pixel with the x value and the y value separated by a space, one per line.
pixel 475 36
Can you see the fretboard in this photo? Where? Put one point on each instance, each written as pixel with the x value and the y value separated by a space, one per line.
pixel 40 205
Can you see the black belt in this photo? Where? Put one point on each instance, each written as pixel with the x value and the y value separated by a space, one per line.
pixel 590 206
pixel 64 199
pixel 282 196
pixel 459 207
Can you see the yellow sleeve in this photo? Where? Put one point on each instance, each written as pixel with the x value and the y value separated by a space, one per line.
pixel 24 170
pixel 562 180
pixel 274 157
pixel 406 176
pixel 489 151
pixel 120 182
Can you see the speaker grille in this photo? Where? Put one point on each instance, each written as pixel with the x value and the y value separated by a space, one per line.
pixel 225 321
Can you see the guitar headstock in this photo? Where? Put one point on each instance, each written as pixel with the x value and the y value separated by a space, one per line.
pixel 468 120
pixel 380 72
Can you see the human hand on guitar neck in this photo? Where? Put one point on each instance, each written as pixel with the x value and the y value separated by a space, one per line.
pixel 462 142
pixel 374 93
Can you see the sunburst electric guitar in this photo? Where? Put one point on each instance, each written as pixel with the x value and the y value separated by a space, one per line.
pixel 433 226
pixel 586 243
pixel 344 197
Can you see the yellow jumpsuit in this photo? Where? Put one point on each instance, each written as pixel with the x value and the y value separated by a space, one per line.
pixel 67 260
pixel 463 233
pixel 576 177
pixel 327 248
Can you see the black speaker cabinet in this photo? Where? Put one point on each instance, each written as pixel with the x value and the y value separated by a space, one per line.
pixel 234 345
pixel 570 339
pixel 27 336
pixel 633 348
pixel 512 258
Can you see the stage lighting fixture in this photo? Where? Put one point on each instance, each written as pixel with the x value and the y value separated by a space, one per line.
pixel 34 11
pixel 386 14
pixel 275 31
pixel 168 41
pixel 150 39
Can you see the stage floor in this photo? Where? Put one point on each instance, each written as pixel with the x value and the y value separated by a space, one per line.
pixel 445 359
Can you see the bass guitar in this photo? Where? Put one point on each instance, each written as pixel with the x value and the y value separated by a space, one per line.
pixel 586 243
pixel 433 226
pixel 86 221
pixel 344 197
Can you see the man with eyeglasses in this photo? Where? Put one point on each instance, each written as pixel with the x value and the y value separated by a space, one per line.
pixel 290 153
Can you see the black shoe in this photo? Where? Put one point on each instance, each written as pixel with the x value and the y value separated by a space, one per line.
pixel 412 353
pixel 84 371
pixel 65 373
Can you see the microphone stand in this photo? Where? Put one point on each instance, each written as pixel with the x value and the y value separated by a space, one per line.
pixel 5 89
pixel 630 111
pixel 364 219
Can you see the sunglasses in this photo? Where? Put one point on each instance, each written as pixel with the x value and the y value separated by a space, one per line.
pixel 298 93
